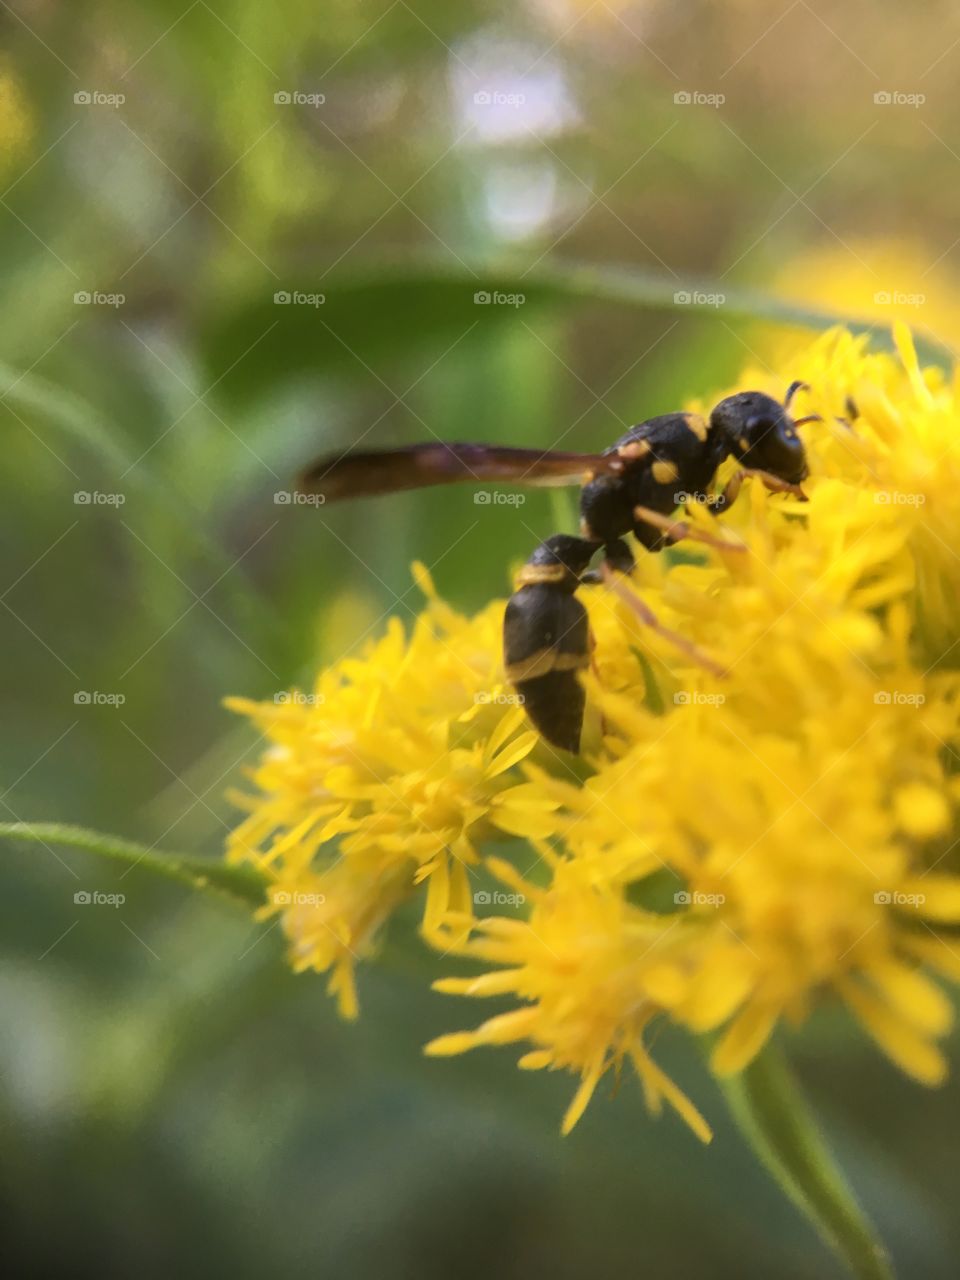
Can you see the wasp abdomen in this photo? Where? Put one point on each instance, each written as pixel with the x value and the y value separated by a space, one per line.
pixel 546 641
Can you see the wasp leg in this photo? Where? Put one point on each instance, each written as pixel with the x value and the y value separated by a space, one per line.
pixel 675 530
pixel 650 619
pixel 618 556
pixel 731 491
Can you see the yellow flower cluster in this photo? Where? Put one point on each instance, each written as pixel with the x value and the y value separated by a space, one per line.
pixel 742 846
pixel 386 776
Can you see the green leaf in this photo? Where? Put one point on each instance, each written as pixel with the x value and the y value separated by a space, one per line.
pixel 395 306
pixel 243 884
pixel 770 1112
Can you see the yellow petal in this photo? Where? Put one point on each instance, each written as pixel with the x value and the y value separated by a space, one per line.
pixel 744 1040
pixel 536 1060
pixel 582 1096
pixel 448 1045
pixel 922 811
pixel 912 994
pixel 720 989
pixel 512 754
pixel 909 1050
pixel 937 897
pixel 674 1095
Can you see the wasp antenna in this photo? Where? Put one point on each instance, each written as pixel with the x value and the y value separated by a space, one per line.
pixel 811 417
pixel 794 387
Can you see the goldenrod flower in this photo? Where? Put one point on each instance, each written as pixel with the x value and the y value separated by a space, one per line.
pixel 591 970
pixel 384 777
pixel 744 846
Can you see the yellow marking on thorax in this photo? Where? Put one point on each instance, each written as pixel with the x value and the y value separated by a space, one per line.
pixel 664 472
pixel 634 449
pixel 698 425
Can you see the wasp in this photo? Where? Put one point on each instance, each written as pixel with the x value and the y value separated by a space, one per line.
pixel 634 486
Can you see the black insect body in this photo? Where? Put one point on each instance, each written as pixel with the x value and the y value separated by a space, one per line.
pixel 635 486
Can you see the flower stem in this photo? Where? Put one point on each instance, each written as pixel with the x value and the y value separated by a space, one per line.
pixel 243 884
pixel 770 1112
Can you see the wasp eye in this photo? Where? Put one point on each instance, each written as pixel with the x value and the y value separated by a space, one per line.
pixel 759 425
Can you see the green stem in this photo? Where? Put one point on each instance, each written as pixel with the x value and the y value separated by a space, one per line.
pixel 240 883
pixel 770 1112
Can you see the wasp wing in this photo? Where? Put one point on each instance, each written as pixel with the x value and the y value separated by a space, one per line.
pixel 361 474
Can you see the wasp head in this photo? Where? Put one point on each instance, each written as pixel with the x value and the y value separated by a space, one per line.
pixel 762 435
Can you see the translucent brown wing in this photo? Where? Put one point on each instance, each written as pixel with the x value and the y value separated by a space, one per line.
pixel 364 473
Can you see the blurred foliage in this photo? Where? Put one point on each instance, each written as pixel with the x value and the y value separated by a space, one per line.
pixel 171 1096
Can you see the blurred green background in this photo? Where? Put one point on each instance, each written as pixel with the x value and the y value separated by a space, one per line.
pixel 172 1097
